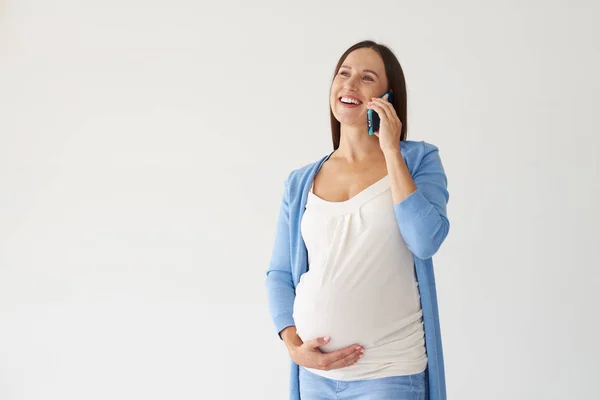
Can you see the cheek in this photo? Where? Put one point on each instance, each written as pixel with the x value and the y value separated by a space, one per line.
pixel 336 86
pixel 335 89
pixel 332 98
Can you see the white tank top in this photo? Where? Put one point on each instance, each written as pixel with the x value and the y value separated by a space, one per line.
pixel 360 286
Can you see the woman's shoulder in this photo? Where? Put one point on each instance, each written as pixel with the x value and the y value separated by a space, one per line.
pixel 418 154
pixel 413 147
pixel 301 175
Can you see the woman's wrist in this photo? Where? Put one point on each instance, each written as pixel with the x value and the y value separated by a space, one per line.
pixel 392 152
pixel 291 338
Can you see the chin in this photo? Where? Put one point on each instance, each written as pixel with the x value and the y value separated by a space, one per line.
pixel 352 121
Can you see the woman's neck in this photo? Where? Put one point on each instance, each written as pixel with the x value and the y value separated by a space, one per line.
pixel 357 145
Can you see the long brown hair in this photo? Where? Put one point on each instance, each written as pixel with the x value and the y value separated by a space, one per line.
pixel 396 82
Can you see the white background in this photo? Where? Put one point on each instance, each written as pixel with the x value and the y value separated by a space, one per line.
pixel 143 149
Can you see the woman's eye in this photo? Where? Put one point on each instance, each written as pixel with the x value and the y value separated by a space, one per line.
pixel 366 77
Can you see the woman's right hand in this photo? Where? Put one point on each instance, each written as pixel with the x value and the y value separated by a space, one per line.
pixel 307 354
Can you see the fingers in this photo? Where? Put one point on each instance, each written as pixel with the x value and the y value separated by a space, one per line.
pixel 383 107
pixel 387 103
pixel 335 356
pixel 314 343
pixel 336 359
pixel 345 361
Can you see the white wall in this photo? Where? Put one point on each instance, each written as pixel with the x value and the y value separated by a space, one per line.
pixel 143 149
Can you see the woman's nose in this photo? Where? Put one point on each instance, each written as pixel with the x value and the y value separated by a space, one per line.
pixel 350 84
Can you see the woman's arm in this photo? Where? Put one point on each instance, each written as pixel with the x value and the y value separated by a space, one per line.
pixel 279 283
pixel 420 202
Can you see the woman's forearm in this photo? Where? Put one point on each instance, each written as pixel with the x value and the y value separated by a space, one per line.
pixel 290 337
pixel 401 181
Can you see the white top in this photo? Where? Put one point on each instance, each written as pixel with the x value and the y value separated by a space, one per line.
pixel 360 286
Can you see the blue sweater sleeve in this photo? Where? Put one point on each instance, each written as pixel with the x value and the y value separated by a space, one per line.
pixel 422 215
pixel 279 283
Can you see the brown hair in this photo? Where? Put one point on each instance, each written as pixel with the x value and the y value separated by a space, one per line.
pixel 396 82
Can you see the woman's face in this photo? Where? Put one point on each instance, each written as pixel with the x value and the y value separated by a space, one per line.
pixel 361 77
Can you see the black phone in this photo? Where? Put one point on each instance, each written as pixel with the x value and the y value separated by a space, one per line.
pixel 373 119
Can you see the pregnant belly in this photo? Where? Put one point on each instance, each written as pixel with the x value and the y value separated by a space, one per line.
pixel 345 317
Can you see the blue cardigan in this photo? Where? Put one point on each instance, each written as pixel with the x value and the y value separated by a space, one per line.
pixel 423 224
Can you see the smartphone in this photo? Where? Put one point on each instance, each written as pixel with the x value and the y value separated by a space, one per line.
pixel 373 119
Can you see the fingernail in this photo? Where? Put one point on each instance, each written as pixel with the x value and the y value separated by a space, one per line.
pixel 326 338
pixel 357 348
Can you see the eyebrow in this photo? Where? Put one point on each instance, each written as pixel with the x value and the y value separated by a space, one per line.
pixel 364 70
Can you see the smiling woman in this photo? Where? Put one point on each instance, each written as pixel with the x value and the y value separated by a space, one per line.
pixel 377 67
pixel 351 286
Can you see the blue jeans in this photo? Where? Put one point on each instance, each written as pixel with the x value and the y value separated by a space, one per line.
pixel 316 387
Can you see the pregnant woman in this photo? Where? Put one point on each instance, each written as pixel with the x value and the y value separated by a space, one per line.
pixel 350 285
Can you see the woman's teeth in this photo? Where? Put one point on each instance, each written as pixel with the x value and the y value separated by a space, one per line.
pixel 349 101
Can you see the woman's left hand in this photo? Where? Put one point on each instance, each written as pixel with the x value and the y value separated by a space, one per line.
pixel 390 125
